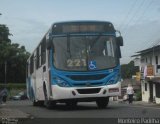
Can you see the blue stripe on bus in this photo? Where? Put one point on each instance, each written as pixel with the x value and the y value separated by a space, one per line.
pixel 63 75
pixel 30 89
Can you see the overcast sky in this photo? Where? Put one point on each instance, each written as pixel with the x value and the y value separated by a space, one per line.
pixel 138 20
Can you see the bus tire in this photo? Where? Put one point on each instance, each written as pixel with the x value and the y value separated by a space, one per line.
pixel 4 99
pixel 38 103
pixel 49 104
pixel 35 103
pixel 102 102
pixel 41 103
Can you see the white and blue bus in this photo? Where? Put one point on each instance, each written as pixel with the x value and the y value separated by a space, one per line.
pixel 75 61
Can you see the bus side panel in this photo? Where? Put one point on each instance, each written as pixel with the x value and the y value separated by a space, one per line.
pixel 39 84
pixel 30 88
pixel 42 77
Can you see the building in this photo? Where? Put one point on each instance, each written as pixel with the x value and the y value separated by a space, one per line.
pixel 149 64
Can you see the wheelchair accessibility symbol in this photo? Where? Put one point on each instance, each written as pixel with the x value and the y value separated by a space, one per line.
pixel 92 65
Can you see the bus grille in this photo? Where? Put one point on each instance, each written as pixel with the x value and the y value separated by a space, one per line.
pixel 89 91
pixel 88 85
pixel 87 77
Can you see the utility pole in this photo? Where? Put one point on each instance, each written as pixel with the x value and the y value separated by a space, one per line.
pixel 5 72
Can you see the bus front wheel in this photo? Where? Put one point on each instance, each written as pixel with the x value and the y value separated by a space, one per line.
pixel 102 102
pixel 48 103
pixel 38 103
pixel 35 103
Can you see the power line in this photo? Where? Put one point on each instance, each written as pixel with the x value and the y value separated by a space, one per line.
pixel 143 14
pixel 144 11
pixel 129 12
pixel 146 43
pixel 154 42
pixel 134 15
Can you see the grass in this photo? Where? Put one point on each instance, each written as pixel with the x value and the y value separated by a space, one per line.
pixel 11 86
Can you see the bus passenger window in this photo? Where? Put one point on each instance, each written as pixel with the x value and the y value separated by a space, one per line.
pixel 31 64
pixel 37 60
pixel 43 51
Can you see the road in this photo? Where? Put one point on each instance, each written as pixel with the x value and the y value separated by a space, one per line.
pixel 85 113
pixel 86 110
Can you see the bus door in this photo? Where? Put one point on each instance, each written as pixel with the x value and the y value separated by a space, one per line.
pixel 47 71
pixel 34 77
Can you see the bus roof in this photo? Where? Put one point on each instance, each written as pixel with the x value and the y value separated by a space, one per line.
pixel 82 21
pixel 74 22
pixel 82 26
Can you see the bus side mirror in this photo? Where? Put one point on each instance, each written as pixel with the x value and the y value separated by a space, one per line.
pixel 120 40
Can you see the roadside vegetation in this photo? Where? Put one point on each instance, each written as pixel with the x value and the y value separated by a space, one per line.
pixel 127 70
pixel 13 88
pixel 13 58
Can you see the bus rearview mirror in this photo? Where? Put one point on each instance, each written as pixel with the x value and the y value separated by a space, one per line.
pixel 120 40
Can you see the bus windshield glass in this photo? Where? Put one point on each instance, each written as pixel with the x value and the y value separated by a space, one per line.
pixel 84 53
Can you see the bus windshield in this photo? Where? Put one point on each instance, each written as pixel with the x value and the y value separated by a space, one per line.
pixel 84 53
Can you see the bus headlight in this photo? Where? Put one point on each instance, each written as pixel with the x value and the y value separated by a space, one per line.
pixel 61 82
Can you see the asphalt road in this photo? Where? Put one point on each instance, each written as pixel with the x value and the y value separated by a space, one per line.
pixel 86 110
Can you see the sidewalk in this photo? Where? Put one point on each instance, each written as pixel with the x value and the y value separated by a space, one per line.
pixel 12 113
pixel 146 103
pixel 142 103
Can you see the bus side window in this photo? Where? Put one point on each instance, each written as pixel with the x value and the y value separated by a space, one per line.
pixel 31 64
pixel 39 49
pixel 48 54
pixel 37 60
pixel 43 51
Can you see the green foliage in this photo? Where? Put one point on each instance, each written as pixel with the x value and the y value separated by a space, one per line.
pixel 139 96
pixel 15 56
pixel 14 89
pixel 127 70
pixel 15 86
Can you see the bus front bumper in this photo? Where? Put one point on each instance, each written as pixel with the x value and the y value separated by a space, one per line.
pixel 62 93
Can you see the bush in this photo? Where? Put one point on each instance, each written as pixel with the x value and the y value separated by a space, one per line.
pixel 139 96
pixel 11 86
pixel 13 89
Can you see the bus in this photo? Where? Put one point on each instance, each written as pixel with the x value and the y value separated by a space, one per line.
pixel 76 61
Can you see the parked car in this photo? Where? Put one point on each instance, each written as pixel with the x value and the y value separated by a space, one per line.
pixel 20 96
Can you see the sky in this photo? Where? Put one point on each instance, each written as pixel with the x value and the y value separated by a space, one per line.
pixel 138 20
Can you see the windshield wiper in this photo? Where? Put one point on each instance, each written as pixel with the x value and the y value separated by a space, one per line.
pixel 94 41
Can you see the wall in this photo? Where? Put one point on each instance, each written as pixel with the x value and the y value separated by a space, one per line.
pixel 151 60
pixel 145 94
pixel 157 100
pixel 154 91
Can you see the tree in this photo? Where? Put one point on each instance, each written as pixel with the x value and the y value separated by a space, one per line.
pixel 127 70
pixel 15 56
